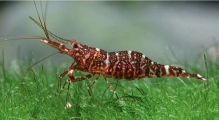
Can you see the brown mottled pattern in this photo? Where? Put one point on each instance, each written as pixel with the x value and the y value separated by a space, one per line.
pixel 97 65
pixel 128 65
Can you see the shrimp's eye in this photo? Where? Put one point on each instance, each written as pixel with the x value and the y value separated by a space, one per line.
pixel 75 46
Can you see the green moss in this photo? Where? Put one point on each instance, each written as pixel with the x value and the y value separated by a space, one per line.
pixel 37 97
